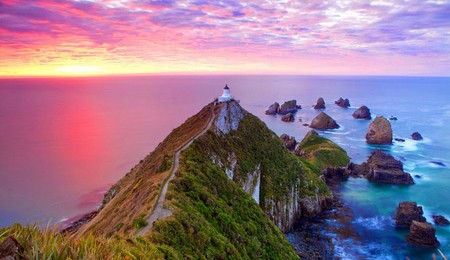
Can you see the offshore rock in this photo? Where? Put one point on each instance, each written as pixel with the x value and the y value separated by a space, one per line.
pixel 407 212
pixel 416 136
pixel 323 121
pixel 320 104
pixel 362 113
pixel 382 167
pixel 289 117
pixel 289 141
pixel 441 220
pixel 288 107
pixel 345 103
pixel 379 132
pixel 273 109
pixel 422 234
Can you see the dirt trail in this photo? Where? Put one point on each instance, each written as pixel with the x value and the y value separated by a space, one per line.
pixel 159 212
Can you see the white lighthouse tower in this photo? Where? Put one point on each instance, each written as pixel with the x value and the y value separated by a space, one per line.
pixel 226 96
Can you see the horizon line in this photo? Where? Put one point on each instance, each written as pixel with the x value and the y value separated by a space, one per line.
pixel 215 74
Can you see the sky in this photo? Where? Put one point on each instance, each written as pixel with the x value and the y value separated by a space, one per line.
pixel 344 37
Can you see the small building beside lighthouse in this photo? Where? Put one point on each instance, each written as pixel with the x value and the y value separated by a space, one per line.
pixel 226 96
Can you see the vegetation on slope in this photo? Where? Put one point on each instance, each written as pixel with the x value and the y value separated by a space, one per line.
pixel 213 217
pixel 49 244
pixel 321 152
pixel 131 199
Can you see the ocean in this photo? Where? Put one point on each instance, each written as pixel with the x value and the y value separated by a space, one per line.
pixel 64 141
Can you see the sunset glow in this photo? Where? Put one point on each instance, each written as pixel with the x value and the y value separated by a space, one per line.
pixel 391 37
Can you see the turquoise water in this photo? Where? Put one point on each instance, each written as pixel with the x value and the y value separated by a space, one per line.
pixel 63 142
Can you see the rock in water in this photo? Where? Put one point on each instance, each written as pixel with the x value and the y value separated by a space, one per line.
pixel 289 141
pixel 441 220
pixel 362 113
pixel 273 109
pixel 323 121
pixel 11 249
pixel 385 168
pixel 320 104
pixel 288 107
pixel 379 132
pixel 416 136
pixel 422 234
pixel 393 118
pixel 407 212
pixel 289 117
pixel 345 103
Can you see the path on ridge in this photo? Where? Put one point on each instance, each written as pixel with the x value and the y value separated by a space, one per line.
pixel 159 212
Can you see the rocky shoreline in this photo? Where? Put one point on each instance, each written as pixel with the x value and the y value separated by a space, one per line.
pixel 313 238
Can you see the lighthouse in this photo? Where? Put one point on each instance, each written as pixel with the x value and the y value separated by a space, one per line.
pixel 226 96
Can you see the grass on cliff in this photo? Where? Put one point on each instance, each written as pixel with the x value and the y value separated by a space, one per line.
pixel 49 244
pixel 131 199
pixel 322 153
pixel 213 217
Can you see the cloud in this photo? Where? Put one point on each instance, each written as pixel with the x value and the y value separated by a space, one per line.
pixel 167 30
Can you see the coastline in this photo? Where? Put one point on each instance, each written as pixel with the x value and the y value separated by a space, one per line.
pixel 315 238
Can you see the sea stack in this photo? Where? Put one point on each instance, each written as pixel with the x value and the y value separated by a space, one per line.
pixel 362 113
pixel 379 132
pixel 320 104
pixel 416 136
pixel 382 167
pixel 441 220
pixel 407 212
pixel 323 121
pixel 422 234
pixel 273 109
pixel 289 117
pixel 288 107
pixel 345 103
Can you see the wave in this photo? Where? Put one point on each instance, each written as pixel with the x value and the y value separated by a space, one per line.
pixel 337 133
pixel 374 223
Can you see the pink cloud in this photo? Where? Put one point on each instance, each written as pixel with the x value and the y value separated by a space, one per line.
pixel 296 36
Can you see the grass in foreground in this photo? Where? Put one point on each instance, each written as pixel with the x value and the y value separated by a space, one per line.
pixel 47 243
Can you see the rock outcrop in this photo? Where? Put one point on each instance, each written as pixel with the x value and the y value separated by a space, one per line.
pixel 407 212
pixel 229 117
pixel 288 107
pixel 416 136
pixel 422 234
pixel 289 141
pixel 441 220
pixel 323 121
pixel 382 167
pixel 379 132
pixel 76 225
pixel 273 109
pixel 336 174
pixel 289 117
pixel 320 104
pixel 362 113
pixel 345 103
pixel 10 249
